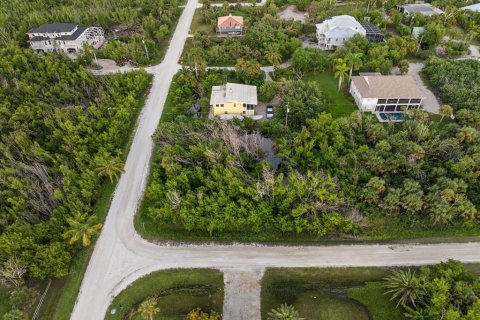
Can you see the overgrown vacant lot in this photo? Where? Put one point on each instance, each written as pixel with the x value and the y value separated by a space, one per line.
pixel 177 292
pixel 367 293
pixel 330 293
pixel 64 135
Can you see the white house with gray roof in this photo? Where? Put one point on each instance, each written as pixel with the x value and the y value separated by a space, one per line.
pixel 374 92
pixel 473 7
pixel 66 37
pixel 333 32
pixel 425 9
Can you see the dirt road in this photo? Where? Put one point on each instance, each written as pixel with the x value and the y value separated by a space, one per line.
pixel 121 256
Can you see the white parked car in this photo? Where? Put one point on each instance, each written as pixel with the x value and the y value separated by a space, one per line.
pixel 269 112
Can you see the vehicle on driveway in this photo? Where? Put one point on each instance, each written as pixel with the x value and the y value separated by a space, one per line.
pixel 269 112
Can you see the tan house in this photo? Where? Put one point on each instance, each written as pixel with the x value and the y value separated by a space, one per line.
pixel 385 95
pixel 231 25
pixel 234 98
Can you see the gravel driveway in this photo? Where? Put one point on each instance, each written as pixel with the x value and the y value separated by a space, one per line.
pixel 431 102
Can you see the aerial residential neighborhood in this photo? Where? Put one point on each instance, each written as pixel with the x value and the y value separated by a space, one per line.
pixel 256 160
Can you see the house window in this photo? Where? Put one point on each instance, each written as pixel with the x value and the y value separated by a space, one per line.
pixel 389 108
pixel 234 105
pixel 392 101
pixel 222 105
pixel 226 112
pixel 404 101
pixel 382 100
pixel 415 100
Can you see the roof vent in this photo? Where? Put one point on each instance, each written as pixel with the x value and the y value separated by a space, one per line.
pixel 366 80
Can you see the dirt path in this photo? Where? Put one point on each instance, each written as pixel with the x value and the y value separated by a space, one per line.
pixel 242 293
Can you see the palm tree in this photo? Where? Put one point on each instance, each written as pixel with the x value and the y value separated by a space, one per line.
pixel 354 61
pixel 445 111
pixel 81 227
pixel 108 166
pixel 341 73
pixel 225 5
pixel 467 134
pixel 402 286
pixel 284 312
pixel 148 309
pixel 273 57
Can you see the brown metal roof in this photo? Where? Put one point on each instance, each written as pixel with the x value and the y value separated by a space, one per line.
pixel 374 86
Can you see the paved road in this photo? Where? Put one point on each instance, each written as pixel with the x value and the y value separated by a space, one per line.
pixel 121 256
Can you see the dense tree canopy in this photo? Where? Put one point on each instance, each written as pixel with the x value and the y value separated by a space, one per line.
pixel 416 170
pixel 443 291
pixel 56 122
pixel 213 176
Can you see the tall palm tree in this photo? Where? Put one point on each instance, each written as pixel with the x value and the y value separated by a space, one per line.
pixel 402 286
pixel 284 312
pixel 81 226
pixel 148 309
pixel 445 111
pixel 273 57
pixel 354 62
pixel 108 166
pixel 341 73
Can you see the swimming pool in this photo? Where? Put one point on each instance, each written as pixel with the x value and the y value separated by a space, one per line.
pixel 393 117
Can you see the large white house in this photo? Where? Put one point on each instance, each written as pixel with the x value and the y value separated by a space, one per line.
pixel 66 37
pixel 376 93
pixel 473 7
pixel 425 9
pixel 333 32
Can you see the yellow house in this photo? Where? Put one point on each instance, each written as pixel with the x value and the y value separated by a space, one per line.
pixel 234 98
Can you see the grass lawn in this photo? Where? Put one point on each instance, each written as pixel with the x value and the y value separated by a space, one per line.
pixel 177 292
pixel 61 296
pixel 198 25
pixel 339 104
pixel 4 304
pixel 329 293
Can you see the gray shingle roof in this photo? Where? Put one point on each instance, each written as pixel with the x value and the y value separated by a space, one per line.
pixel 53 27
pixel 73 36
pixel 394 87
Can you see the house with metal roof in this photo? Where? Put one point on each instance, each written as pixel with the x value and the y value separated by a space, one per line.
pixel 234 98
pixel 473 7
pixel 66 37
pixel 333 32
pixel 425 9
pixel 385 96
pixel 231 25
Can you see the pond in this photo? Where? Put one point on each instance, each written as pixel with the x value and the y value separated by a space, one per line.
pixel 268 147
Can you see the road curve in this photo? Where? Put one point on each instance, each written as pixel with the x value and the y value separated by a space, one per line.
pixel 121 256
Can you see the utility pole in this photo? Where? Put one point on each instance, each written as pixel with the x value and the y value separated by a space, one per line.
pixel 146 49
pixel 286 116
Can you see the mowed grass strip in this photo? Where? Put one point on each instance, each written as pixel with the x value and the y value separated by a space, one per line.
pixel 177 291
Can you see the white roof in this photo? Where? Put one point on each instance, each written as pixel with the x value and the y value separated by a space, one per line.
pixel 343 21
pixel 234 92
pixel 423 8
pixel 473 7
